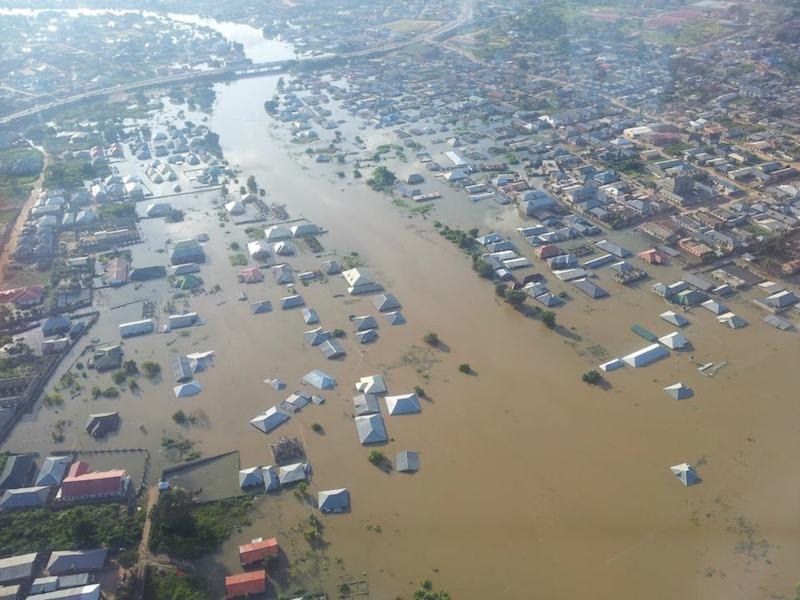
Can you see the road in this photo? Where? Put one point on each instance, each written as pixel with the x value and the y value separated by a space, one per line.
pixel 445 29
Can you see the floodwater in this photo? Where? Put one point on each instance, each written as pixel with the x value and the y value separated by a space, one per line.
pixel 530 479
pixel 257 47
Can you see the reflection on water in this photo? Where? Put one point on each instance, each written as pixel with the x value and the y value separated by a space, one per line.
pixel 256 47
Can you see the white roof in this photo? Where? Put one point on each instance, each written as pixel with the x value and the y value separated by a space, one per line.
pixel 646 355
pixel 372 384
pixel 269 420
pixel 611 365
pixel 184 390
pixel 319 379
pixel 679 391
pixel 277 233
pixel 371 429
pixel 674 340
pixel 674 318
pixel 288 474
pixel 404 404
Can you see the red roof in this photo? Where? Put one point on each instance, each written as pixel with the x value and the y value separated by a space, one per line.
pixel 32 294
pixel 253 582
pixel 251 275
pixel 547 251
pixel 80 482
pixel 257 551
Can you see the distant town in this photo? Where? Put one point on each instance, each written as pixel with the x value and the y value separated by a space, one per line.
pixel 280 282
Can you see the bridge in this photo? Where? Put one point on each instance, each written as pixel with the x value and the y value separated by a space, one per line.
pixel 254 70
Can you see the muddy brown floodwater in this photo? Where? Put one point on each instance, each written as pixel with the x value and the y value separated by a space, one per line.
pixel 532 484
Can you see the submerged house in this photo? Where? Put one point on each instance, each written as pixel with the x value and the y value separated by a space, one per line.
pixel 371 429
pixel 359 281
pixel 334 501
pixel 646 356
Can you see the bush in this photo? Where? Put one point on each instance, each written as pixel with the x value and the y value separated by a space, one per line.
pixel 337 333
pixel 316 428
pixel 238 260
pixel 130 367
pixel 465 368
pixel 180 417
pixel 419 392
pixel 175 216
pixel 549 318
pixel 500 290
pixel 592 377
pixel 119 377
pixel 110 392
pixel 151 369
pixel 431 339
pixel 376 457
pixel 516 298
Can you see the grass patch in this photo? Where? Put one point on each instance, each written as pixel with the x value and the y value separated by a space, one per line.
pixel 91 526
pixel 184 529
pixel 169 585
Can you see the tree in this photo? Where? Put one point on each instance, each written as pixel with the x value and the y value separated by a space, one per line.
pixel 465 368
pixel 382 179
pixel 151 369
pixel 431 339
pixel 549 318
pixel 252 186
pixel 376 457
pixel 516 298
pixel 500 290
pixel 592 377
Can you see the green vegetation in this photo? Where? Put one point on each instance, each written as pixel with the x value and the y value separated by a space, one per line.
pixel 516 298
pixel 118 210
pixel 53 399
pixel 109 392
pixel 19 168
pixel 238 259
pixel 376 457
pixel 179 449
pixel 184 529
pixel 169 585
pixel 175 216
pixel 431 338
pixel 71 173
pixel 313 530
pixel 426 592
pixel 337 333
pixel 181 418
pixel 317 428
pixel 549 318
pixel 592 377
pixel 89 526
pixel 420 392
pixel 151 369
pixel 465 368
pixel 312 243
pixel 500 290
pixel 382 179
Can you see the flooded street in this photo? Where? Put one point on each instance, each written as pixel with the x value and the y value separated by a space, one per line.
pixel 532 482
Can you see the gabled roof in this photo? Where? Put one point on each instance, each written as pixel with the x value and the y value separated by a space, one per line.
pixel 364 337
pixel 366 404
pixel 335 501
pixel 260 306
pixel 69 561
pixel 101 424
pixel 270 476
pixel 53 470
pixel 674 340
pixel 331 348
pixel 678 391
pixel 685 473
pixel 310 316
pixel 384 302
pixel 395 318
pixel 674 318
pixel 319 379
pixel 185 390
pixel 404 404
pixel 289 474
pixel 292 301
pixel 17 568
pixel 406 461
pixel 372 384
pixel 371 429
pixel 17 471
pixel 251 477
pixel 269 420
pixel 317 336
pixel 25 497
pixel 364 322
